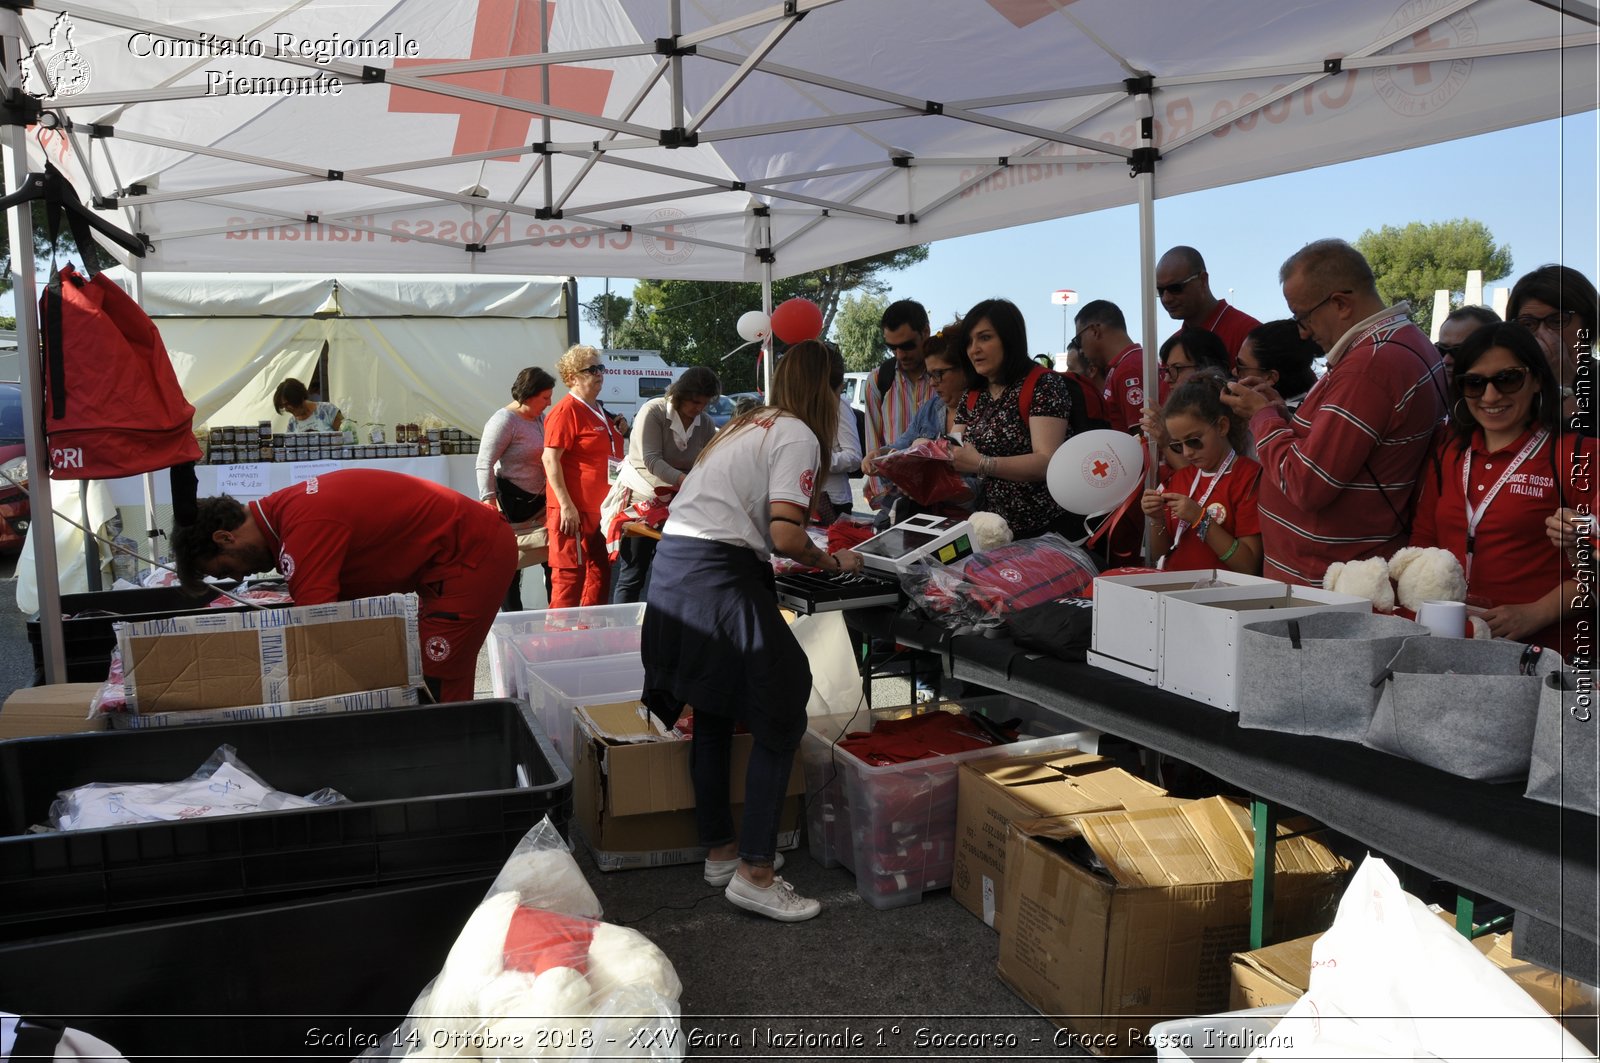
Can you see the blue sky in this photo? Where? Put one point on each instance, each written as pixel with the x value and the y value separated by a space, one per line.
pixel 1534 187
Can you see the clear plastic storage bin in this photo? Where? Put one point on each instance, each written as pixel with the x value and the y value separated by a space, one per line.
pixel 517 640
pixel 556 688
pixel 894 825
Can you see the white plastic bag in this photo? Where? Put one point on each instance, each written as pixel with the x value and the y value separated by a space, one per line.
pixel 1391 980
pixel 835 676
pixel 223 786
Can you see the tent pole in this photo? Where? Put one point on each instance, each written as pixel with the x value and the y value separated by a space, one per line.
pixel 42 530
pixel 764 224
pixel 1144 164
pixel 152 528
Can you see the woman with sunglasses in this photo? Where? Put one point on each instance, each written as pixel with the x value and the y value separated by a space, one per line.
pixel 1503 469
pixel 1206 517
pixel 1277 354
pixel 1184 353
pixel 1558 305
pixel 581 443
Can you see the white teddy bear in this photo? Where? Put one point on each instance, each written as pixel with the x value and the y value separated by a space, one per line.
pixel 1364 579
pixel 1414 575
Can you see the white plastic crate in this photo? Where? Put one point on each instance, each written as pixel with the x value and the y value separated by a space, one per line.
pixel 556 688
pixel 1127 618
pixel 517 640
pixel 894 825
pixel 1231 1035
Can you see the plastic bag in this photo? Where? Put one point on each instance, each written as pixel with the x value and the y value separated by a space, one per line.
pixel 924 473
pixel 1391 980
pixel 534 974
pixel 989 587
pixel 223 786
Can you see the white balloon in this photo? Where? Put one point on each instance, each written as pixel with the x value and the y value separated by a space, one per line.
pixel 1092 472
pixel 754 325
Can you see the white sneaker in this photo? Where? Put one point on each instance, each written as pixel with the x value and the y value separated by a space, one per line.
pixel 778 901
pixel 718 872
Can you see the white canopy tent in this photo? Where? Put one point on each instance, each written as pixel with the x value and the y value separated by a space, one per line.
pixel 732 139
pixel 400 346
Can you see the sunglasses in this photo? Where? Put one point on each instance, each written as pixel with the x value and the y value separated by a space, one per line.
pixel 1506 382
pixel 904 348
pixel 1178 446
pixel 1176 286
pixel 593 370
pixel 1554 322
pixel 1447 350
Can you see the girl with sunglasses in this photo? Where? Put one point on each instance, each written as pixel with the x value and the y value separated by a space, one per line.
pixel 1505 467
pixel 1206 517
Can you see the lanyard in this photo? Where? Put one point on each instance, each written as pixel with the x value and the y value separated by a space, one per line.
pixel 611 433
pixel 1475 515
pixel 1183 525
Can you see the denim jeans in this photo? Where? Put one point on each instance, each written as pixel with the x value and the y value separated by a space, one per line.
pixel 766 781
pixel 630 577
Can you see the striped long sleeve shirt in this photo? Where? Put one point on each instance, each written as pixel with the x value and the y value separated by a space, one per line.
pixel 1340 475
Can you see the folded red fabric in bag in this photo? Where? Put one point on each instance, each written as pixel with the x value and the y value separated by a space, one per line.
pixel 924 473
pixel 1032 571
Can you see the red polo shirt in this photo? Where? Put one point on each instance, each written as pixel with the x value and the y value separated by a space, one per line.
pixel 587 441
pixel 1124 392
pixel 1232 506
pixel 1230 324
pixel 1513 561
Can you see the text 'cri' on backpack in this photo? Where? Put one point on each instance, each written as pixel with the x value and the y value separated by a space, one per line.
pixel 113 406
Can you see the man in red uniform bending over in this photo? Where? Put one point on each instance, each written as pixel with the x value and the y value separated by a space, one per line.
pixel 361 533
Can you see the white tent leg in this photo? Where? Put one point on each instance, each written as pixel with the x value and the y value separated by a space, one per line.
pixel 26 294
pixel 764 222
pixel 1146 180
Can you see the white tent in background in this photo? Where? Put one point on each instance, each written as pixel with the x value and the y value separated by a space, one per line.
pixel 731 139
pixel 400 345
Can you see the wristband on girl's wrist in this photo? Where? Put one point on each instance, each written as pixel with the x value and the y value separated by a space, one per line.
pixel 1228 552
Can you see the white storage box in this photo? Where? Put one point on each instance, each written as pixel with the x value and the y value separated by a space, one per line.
pixel 1127 617
pixel 1201 633
pixel 556 688
pixel 894 825
pixel 1231 1035
pixel 517 640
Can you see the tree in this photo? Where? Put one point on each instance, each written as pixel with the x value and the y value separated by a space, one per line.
pixel 607 312
pixel 857 332
pixel 1415 261
pixel 694 322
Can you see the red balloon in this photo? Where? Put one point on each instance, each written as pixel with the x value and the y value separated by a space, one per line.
pixel 797 319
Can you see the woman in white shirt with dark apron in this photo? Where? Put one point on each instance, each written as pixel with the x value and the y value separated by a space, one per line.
pixel 713 637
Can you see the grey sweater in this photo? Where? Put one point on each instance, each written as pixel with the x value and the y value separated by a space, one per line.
pixel 512 447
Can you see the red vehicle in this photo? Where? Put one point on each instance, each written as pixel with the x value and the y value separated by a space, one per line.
pixel 14 511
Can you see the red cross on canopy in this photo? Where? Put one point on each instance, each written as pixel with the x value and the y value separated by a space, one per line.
pixel 503 28
pixel 1422 41
pixel 1024 13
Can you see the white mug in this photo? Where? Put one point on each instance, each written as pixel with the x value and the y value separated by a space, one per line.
pixel 1444 619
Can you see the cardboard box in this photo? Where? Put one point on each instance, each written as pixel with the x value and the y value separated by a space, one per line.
pixel 1281 973
pixel 1116 917
pixel 1201 659
pixel 58 709
pixel 219 660
pixel 361 701
pixel 1126 635
pixel 997 791
pixel 632 795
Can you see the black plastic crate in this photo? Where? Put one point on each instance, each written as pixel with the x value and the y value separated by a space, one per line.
pixel 321 979
pixel 437 790
pixel 86 627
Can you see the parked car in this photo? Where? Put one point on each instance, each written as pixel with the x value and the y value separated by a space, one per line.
pixel 855 391
pixel 720 410
pixel 14 509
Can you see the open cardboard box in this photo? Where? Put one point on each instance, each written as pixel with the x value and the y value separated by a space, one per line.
pixel 632 795
pixel 1113 919
pixel 998 791
pixel 1200 644
pixel 1127 618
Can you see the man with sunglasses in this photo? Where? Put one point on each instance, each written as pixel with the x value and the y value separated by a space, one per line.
pixel 1103 338
pixel 1184 288
pixel 899 387
pixel 1340 475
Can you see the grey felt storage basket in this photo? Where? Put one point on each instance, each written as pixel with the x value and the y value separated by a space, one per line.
pixel 1566 753
pixel 1313 675
pixel 1464 706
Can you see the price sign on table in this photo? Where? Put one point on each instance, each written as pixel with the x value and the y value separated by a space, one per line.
pixel 301 471
pixel 249 479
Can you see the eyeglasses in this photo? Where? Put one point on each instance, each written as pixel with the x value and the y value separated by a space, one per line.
pixel 593 370
pixel 1554 322
pixel 1176 286
pixel 1077 341
pixel 937 375
pixel 1300 319
pixel 1506 382
pixel 904 348
pixel 1173 373
pixel 1178 446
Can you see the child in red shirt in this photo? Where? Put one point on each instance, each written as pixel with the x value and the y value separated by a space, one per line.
pixel 1206 516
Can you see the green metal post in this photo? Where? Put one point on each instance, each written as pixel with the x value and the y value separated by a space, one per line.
pixel 1264 818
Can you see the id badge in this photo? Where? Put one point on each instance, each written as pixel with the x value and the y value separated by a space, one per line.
pixel 613 470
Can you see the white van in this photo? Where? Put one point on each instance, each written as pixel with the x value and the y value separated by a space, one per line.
pixel 855 391
pixel 633 378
